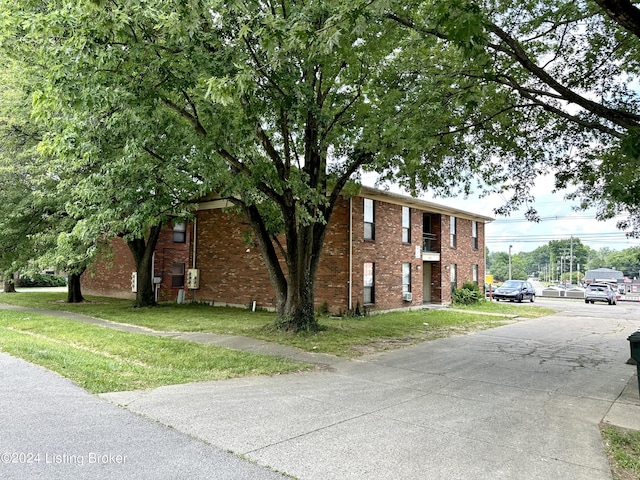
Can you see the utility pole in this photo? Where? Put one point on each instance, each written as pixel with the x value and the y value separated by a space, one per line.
pixel 510 261
pixel 571 262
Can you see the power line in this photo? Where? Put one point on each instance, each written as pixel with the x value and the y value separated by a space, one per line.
pixel 596 235
pixel 551 219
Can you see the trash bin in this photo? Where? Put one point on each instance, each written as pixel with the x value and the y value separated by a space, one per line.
pixel 634 344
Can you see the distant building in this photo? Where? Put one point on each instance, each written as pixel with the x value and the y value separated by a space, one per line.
pixel 604 275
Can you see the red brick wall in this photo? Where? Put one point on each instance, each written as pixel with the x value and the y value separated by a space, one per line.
pixel 110 274
pixel 332 281
pixel 388 253
pixel 167 253
pixel 232 270
pixel 463 255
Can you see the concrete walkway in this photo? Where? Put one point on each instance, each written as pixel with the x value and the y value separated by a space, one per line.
pixel 523 401
pixel 52 429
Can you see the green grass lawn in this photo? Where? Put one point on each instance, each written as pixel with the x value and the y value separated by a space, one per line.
pixel 623 450
pixel 105 360
pixel 344 336
pixel 525 310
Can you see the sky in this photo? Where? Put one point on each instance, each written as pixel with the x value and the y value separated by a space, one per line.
pixel 558 221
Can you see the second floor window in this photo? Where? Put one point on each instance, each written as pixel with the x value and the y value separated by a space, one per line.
pixel 179 233
pixel 406 225
pixel 452 232
pixel 369 220
pixel 474 235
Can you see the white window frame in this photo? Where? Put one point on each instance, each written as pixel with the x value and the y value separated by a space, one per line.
pixel 369 283
pixel 406 277
pixel 369 219
pixel 474 235
pixel 452 232
pixel 179 233
pixel 406 224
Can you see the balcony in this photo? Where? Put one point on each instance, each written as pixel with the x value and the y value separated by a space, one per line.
pixel 430 251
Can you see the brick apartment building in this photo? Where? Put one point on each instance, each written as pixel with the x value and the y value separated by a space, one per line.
pixel 382 251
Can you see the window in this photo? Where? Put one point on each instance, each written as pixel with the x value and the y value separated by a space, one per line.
pixel 406 225
pixel 179 233
pixel 369 283
pixel 474 235
pixel 406 277
pixel 428 239
pixel 474 274
pixel 369 221
pixel 177 275
pixel 454 275
pixel 452 232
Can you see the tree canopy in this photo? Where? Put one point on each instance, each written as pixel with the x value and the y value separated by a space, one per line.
pixel 33 220
pixel 276 106
pixel 279 106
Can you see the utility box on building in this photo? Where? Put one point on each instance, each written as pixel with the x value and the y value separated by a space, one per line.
pixel 193 279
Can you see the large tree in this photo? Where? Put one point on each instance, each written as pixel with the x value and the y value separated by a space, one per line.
pixel 34 221
pixel 561 80
pixel 276 106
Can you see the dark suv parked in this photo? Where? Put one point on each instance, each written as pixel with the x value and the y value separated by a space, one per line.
pixel 515 291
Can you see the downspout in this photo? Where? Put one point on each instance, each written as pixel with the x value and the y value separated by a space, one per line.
pixel 154 285
pixel 350 301
pixel 194 240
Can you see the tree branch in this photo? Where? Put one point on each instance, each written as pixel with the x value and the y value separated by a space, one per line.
pixel 242 169
pixel 193 119
pixel 624 13
pixel 516 51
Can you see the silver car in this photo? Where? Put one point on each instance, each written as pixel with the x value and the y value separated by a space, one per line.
pixel 600 292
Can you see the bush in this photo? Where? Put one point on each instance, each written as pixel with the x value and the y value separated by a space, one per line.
pixel 40 280
pixel 467 295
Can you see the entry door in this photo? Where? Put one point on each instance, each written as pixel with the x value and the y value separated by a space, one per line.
pixel 426 282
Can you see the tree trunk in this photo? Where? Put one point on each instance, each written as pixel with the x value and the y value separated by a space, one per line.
pixel 9 286
pixel 10 283
pixel 299 311
pixel 295 296
pixel 295 290
pixel 142 251
pixel 74 292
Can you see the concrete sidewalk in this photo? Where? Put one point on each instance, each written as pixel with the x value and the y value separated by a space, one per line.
pixel 52 429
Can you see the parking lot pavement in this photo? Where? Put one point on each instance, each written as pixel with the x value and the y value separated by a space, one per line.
pixel 52 429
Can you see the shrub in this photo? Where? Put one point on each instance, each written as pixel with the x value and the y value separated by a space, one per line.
pixel 41 280
pixel 467 295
